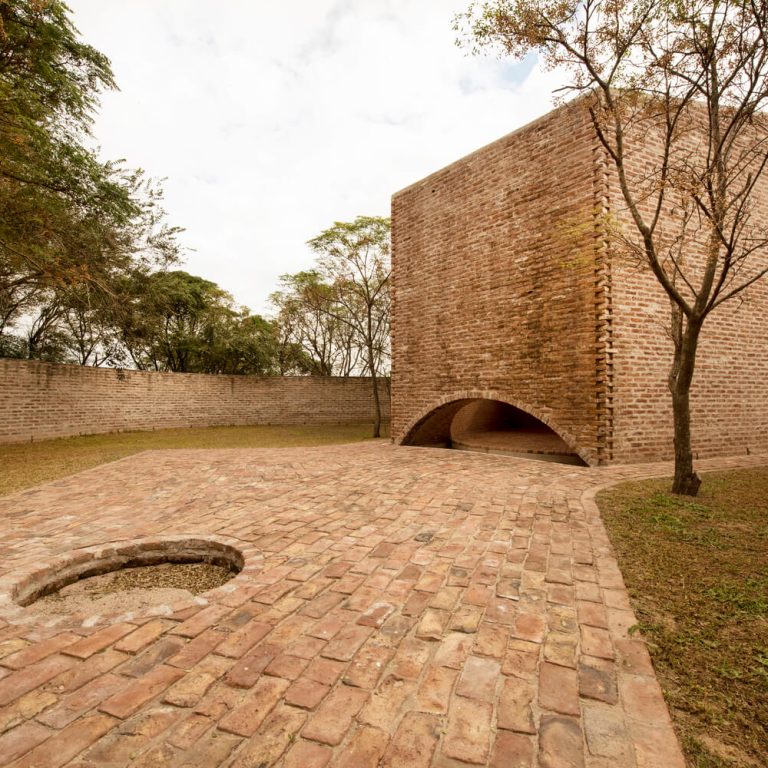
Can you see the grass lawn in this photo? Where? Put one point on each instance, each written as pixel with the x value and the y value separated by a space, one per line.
pixel 697 573
pixel 27 464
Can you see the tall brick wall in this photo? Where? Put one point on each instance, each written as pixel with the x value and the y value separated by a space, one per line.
pixel 494 281
pixel 507 285
pixel 41 400
pixel 729 395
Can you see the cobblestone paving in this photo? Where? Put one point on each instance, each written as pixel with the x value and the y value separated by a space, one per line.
pixel 402 607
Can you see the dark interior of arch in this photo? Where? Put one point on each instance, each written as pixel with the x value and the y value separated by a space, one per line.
pixel 490 426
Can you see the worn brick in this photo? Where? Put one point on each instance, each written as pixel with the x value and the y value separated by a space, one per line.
pixel 138 692
pixel 468 734
pixel 414 742
pixel 275 735
pixel 330 723
pixel 245 719
pixel 67 744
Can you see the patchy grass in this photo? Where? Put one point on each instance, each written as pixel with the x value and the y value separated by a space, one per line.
pixel 27 464
pixel 697 573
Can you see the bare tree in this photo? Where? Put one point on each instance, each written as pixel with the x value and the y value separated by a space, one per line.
pixel 304 317
pixel 688 78
pixel 354 260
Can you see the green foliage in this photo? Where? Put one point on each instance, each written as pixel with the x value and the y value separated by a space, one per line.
pixel 174 321
pixel 72 227
pixel 312 339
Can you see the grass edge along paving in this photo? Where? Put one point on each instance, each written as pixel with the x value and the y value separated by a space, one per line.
pixel 697 575
pixel 24 465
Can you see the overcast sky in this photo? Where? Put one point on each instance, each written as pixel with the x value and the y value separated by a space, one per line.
pixel 270 121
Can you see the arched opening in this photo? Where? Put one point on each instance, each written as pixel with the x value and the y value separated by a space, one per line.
pixel 491 426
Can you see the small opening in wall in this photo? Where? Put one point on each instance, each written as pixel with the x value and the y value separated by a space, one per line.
pixel 491 426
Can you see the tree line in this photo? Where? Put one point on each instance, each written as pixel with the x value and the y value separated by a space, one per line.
pixel 90 267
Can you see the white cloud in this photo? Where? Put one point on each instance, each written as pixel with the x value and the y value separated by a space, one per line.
pixel 271 121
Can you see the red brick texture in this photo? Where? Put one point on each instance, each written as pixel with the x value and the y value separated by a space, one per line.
pixel 41 400
pixel 506 286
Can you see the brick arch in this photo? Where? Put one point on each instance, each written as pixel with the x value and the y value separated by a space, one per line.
pixel 432 425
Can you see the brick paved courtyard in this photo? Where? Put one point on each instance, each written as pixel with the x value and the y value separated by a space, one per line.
pixel 398 607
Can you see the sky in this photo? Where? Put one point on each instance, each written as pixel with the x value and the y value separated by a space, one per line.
pixel 270 121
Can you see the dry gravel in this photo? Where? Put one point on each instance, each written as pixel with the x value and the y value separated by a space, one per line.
pixel 133 589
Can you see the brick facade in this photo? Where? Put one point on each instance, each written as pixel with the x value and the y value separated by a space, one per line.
pixel 41 400
pixel 506 286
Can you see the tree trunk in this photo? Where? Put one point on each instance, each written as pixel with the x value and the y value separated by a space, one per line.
pixel 376 401
pixel 686 481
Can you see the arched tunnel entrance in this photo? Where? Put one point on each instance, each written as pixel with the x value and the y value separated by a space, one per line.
pixel 491 426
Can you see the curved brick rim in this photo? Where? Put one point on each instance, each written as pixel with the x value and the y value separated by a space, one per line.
pixel 20 589
pixel 485 394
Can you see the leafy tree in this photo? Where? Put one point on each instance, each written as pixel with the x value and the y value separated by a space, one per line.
pixel 353 258
pixel 69 223
pixel 313 339
pixel 175 321
pixel 690 79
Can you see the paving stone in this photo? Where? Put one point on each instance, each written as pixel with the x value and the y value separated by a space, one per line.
pixel 245 719
pixel 468 734
pixel 139 639
pixel 414 742
pixel 466 619
pixel 387 702
pixel 22 681
pixel 307 754
pixel 560 742
pixel 67 744
pixel 521 658
pixel 363 750
pixel 306 693
pixel 250 668
pixel 20 740
pixel 38 651
pixel 25 708
pixel 512 750
pixel 100 640
pixel 479 678
pixel 410 659
pixel 345 641
pixel 241 641
pixel 369 663
pixel 606 733
pixel 330 723
pixel 558 689
pixel 596 642
pixel 274 737
pixel 515 711
pixel 435 689
pixel 186 733
pixel 156 654
pixel 491 640
pixel 140 691
pixel 597 680
pixel 82 700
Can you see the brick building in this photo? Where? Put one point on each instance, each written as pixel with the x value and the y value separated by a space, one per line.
pixel 516 327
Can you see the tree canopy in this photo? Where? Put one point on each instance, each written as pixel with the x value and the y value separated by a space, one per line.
pixel 71 225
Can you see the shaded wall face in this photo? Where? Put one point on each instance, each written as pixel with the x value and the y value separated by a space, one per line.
pixel 729 396
pixel 490 415
pixel 494 280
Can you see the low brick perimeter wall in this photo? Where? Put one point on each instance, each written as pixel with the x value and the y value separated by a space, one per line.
pixel 42 400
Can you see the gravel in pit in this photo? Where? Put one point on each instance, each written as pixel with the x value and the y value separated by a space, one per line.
pixel 133 589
